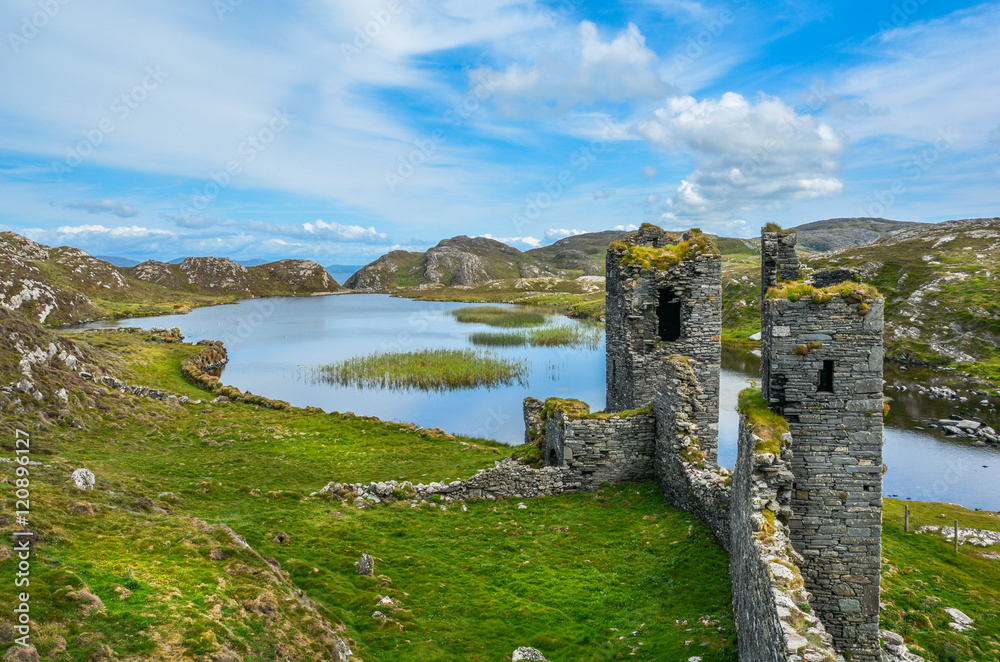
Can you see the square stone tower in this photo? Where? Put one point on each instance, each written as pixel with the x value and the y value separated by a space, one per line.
pixel 778 260
pixel 664 297
pixel 822 370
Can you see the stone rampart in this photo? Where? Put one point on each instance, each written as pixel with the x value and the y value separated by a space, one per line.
pixel 774 619
pixel 822 358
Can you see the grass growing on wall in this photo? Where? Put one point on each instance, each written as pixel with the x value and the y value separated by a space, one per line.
pixel 427 369
pixel 765 423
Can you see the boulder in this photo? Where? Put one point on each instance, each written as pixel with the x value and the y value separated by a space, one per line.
pixel 18 653
pixel 84 479
pixel 366 565
pixel 527 654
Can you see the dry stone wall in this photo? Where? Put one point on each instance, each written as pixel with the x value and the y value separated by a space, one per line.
pixel 774 620
pixel 823 373
pixel 607 448
pixel 689 480
pixel 778 260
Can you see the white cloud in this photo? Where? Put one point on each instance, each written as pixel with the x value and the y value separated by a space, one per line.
pixel 627 228
pixel 524 241
pixel 650 172
pixel 578 70
pixel 119 231
pixel 560 233
pixel 603 194
pixel 335 230
pixel 746 155
pixel 929 76
pixel 104 206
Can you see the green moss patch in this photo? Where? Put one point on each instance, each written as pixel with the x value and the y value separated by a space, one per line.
pixel 763 422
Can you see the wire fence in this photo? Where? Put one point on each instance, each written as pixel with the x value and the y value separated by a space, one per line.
pixel 948 529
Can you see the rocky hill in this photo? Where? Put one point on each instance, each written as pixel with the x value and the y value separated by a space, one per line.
pixel 835 233
pixel 64 285
pixel 463 261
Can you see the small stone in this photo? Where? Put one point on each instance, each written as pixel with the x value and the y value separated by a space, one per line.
pixel 959 621
pixel 527 654
pixel 366 565
pixel 379 615
pixel 18 653
pixel 84 479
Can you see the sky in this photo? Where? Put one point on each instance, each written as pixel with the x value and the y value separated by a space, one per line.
pixel 340 130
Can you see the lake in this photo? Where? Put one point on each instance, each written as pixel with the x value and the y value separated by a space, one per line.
pixel 274 343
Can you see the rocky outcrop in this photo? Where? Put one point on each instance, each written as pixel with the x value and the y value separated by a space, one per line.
pixel 380 275
pixel 300 275
pixel 159 273
pixel 216 273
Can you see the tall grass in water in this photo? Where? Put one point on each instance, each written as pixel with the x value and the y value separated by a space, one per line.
pixel 426 369
pixel 551 336
pixel 520 317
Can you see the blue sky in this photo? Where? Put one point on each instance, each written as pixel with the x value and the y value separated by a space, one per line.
pixel 336 130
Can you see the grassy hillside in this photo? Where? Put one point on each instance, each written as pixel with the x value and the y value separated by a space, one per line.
pixel 64 285
pixel 145 566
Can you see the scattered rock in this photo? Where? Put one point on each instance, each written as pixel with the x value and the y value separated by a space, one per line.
pixel 84 479
pixel 959 621
pixel 527 654
pixel 366 565
pixel 379 615
pixel 122 592
pixel 18 653
pixel 281 538
pixel 91 603
pixel 217 555
pixel 82 508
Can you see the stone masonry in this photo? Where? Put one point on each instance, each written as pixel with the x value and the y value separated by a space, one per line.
pixel 638 292
pixel 824 375
pixel 778 260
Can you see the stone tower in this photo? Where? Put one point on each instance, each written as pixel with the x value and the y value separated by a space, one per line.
pixel 778 261
pixel 822 370
pixel 664 298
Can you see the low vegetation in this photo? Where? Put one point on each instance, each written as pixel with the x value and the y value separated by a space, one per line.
pixel 426 369
pixel 510 317
pixel 766 424
pixel 650 258
pixel 564 335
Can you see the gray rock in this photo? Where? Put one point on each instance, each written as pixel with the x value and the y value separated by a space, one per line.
pixel 366 565
pixel 84 479
pixel 527 654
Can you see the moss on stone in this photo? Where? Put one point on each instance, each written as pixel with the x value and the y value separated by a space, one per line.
pixel 651 258
pixel 763 422
pixel 774 227
pixel 577 409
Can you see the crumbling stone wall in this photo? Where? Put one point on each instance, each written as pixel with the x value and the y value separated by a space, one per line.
pixel 836 453
pixel 774 619
pixel 778 260
pixel 635 352
pixel 688 478
pixel 601 448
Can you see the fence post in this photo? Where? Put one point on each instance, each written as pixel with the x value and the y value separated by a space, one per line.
pixel 956 536
pixel 906 519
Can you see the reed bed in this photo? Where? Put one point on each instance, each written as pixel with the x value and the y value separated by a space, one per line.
pixel 518 317
pixel 427 369
pixel 551 336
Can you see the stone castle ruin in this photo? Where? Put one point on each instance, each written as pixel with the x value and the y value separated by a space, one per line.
pixel 800 515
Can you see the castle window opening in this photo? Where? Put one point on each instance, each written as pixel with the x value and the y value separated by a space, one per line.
pixel 826 377
pixel 668 316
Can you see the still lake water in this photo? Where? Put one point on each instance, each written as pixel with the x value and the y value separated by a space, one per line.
pixel 274 343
